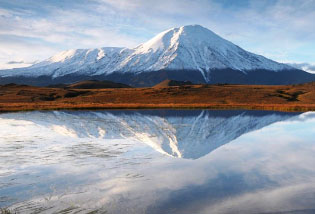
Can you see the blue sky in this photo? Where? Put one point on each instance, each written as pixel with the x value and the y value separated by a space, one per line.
pixel 33 30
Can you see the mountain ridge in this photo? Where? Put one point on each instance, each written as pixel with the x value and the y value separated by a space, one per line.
pixel 189 49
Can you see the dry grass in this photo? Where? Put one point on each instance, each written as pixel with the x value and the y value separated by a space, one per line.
pixel 281 98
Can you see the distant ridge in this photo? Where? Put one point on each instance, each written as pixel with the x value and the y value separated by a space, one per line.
pixel 95 84
pixel 168 83
pixel 91 84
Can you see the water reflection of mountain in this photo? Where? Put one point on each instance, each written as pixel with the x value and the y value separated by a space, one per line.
pixel 179 133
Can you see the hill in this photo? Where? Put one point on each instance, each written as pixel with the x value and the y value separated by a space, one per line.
pixel 95 84
pixel 168 83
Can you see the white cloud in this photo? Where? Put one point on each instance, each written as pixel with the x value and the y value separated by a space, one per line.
pixel 304 66
pixel 281 30
pixel 20 64
pixel 36 38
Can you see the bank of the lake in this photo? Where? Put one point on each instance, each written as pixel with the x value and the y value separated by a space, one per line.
pixel 251 97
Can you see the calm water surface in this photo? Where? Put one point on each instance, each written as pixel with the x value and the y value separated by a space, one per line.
pixel 161 161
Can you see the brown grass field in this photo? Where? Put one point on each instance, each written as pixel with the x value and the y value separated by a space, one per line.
pixel 281 98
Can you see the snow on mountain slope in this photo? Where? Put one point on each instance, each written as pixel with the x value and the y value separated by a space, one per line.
pixel 195 48
pixel 176 134
pixel 79 61
pixel 190 47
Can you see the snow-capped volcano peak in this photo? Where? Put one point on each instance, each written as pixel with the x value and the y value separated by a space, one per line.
pixel 157 43
pixel 190 48
pixel 194 47
pixel 186 35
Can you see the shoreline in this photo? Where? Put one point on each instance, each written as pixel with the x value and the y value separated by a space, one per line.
pixel 286 98
pixel 271 107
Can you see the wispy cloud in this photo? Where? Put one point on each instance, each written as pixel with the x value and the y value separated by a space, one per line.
pixel 304 66
pixel 15 62
pixel 282 29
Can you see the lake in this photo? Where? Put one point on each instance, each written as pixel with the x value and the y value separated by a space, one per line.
pixel 157 161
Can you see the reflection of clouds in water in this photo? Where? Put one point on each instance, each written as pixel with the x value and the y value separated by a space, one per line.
pixel 284 141
pixel 282 157
pixel 305 116
pixel 272 155
pixel 290 198
pixel 269 168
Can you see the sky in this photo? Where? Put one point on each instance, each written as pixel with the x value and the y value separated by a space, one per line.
pixel 34 30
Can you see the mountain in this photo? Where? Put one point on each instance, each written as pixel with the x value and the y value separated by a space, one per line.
pixel 191 53
pixel 177 133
